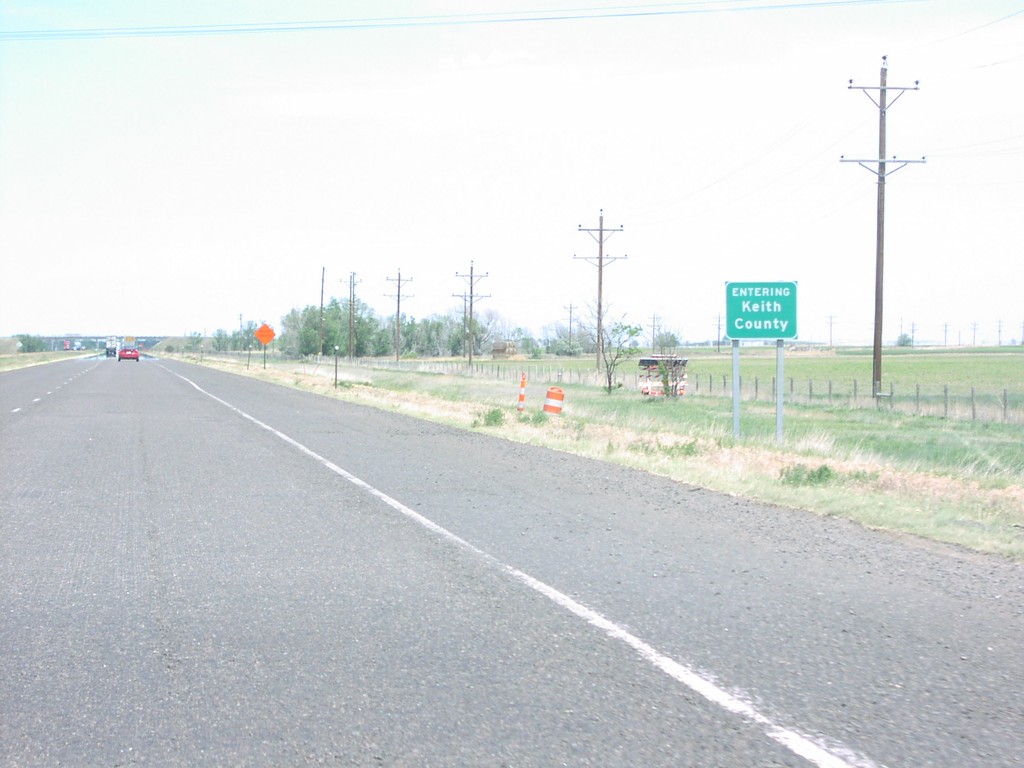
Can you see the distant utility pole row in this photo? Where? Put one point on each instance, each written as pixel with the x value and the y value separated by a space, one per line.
pixel 399 282
pixel 881 167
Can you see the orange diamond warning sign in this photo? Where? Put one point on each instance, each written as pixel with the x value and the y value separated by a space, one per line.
pixel 265 334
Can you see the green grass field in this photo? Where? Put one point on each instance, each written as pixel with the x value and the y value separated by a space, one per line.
pixel 979 384
pixel 986 368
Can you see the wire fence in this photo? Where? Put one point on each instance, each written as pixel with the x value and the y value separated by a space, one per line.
pixel 962 403
pixel 959 404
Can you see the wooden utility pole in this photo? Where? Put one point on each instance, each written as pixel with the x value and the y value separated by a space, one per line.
pixel 398 281
pixel 320 338
pixel 878 167
pixel 472 280
pixel 351 315
pixel 602 235
pixel 465 327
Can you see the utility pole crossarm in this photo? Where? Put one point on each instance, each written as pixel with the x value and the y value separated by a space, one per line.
pixel 881 163
pixel 880 103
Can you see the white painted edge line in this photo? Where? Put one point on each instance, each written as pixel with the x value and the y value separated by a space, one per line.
pixel 798 744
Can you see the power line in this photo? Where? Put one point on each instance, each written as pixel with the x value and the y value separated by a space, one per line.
pixel 434 20
pixel 980 26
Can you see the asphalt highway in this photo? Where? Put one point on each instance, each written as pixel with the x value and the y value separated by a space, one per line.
pixel 198 568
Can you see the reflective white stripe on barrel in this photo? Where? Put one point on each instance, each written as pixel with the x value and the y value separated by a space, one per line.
pixel 553 402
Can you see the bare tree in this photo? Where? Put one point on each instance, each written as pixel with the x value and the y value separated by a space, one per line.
pixel 666 342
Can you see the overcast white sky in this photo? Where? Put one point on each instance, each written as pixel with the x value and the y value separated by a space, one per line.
pixel 167 182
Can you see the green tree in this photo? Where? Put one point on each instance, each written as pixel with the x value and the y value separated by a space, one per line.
pixel 619 345
pixel 28 343
pixel 221 340
pixel 382 341
pixel 300 331
pixel 363 323
pixel 244 337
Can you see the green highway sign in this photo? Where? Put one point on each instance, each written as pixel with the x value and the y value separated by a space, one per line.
pixel 760 310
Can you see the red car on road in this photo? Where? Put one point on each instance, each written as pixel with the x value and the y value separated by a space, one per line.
pixel 128 353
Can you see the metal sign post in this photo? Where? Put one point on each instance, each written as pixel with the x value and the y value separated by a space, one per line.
pixel 735 387
pixel 759 311
pixel 265 334
pixel 778 390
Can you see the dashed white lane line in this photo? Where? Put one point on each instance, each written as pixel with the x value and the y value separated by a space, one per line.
pixel 59 387
pixel 799 744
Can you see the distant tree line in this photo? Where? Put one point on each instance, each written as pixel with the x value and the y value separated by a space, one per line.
pixel 307 332
pixel 27 343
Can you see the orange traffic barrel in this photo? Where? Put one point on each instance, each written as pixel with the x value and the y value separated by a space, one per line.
pixel 553 402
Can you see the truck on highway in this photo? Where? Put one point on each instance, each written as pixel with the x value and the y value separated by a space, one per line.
pixel 111 346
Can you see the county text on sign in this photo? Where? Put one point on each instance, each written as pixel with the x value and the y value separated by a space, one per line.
pixel 760 310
